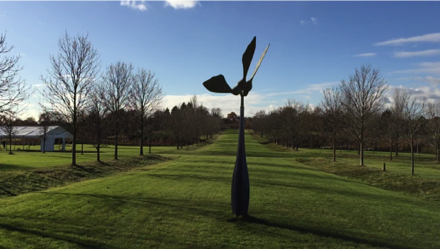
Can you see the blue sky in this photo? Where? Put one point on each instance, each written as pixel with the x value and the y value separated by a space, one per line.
pixel 314 45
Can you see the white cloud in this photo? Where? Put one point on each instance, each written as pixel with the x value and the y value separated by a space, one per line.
pixel 181 4
pixel 431 94
pixel 365 55
pixel 434 37
pixel 227 103
pixel 302 22
pixel 254 102
pixel 430 52
pixel 314 20
pixel 138 5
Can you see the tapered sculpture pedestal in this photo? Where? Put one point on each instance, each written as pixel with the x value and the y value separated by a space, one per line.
pixel 240 179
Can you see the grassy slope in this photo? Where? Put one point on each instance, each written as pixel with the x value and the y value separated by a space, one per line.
pixel 186 203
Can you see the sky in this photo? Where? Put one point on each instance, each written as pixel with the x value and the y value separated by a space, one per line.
pixel 313 45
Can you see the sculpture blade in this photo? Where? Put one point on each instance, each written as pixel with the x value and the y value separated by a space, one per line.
pixel 217 84
pixel 247 56
pixel 259 62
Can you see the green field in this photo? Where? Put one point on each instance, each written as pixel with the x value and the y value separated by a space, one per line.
pixel 185 203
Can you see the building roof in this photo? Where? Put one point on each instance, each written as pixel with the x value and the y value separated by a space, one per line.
pixel 37 131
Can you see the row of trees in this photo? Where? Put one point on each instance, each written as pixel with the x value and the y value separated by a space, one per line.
pixel 355 111
pixel 190 121
pixel 75 87
pixel 183 126
pixel 93 104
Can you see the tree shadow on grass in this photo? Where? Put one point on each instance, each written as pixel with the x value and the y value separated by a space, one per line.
pixel 182 209
pixel 76 241
pixel 312 230
pixel 14 167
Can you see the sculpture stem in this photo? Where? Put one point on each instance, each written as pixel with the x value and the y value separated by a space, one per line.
pixel 240 179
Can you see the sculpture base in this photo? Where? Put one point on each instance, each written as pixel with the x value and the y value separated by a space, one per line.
pixel 240 180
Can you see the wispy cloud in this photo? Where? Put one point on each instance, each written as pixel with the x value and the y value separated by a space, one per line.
pixel 181 4
pixel 39 85
pixel 312 20
pixel 365 55
pixel 424 67
pixel 430 52
pixel 137 5
pixel 430 79
pixel 434 37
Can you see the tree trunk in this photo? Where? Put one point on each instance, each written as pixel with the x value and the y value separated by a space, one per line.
pixel 391 150
pixel 74 145
pixel 44 142
pixel 412 156
pixel 149 149
pixel 116 145
pixel 334 148
pixel 361 150
pixel 98 148
pixel 75 122
pixel 438 155
pixel 142 137
pixel 397 149
pixel 10 145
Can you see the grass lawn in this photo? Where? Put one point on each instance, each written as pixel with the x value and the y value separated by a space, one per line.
pixel 28 160
pixel 185 203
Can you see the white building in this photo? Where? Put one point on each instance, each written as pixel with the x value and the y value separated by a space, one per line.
pixel 36 132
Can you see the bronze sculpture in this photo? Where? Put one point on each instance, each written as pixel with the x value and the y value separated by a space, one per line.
pixel 240 179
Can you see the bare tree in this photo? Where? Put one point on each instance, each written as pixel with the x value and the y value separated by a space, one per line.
pixel 388 128
pixel 362 97
pixel 70 79
pixel 117 81
pixel 146 97
pixel 332 107
pixel 13 90
pixel 297 115
pixel 96 114
pixel 7 122
pixel 400 100
pixel 413 112
pixel 433 126
pixel 216 112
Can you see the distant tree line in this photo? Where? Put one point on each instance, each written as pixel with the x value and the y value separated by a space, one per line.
pixel 355 115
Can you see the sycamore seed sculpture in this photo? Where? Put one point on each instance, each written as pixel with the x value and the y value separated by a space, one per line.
pixel 217 84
